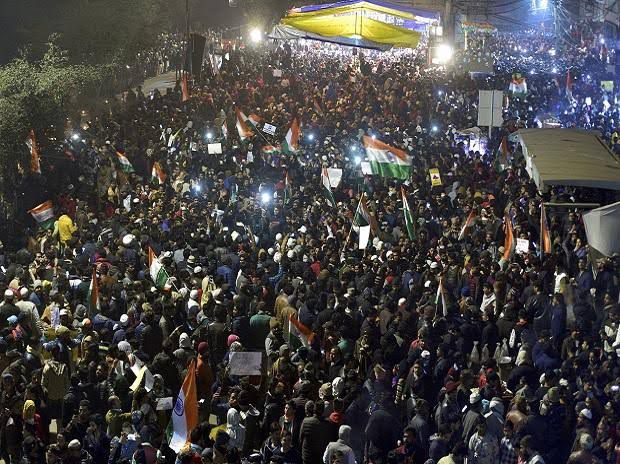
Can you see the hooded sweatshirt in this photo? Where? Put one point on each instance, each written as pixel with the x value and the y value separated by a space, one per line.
pixel 340 445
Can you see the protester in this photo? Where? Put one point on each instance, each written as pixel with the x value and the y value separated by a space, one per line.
pixel 433 343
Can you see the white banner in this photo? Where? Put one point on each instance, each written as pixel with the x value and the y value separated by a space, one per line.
pixel 214 148
pixel 245 363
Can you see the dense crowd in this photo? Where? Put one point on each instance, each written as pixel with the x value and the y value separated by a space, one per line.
pixel 517 362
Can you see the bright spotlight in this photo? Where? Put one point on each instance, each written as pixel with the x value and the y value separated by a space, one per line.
pixel 197 188
pixel 602 41
pixel 552 52
pixel 443 53
pixel 210 135
pixel 256 35
pixel 75 136
pixel 434 129
pixel 374 137
pixel 354 148
pixel 265 197
pixel 440 93
pixel 554 70
pixel 311 137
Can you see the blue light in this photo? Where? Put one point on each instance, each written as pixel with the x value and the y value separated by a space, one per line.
pixel 311 137
pixel 357 160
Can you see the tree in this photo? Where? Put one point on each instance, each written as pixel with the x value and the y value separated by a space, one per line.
pixel 39 95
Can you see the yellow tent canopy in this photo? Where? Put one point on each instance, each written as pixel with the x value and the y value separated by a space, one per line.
pixel 369 23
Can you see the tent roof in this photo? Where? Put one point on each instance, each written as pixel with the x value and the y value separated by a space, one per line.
pixel 376 5
pixel 361 23
pixel 569 157
pixel 283 32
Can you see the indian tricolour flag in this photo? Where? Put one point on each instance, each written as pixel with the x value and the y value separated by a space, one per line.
pixel 158 174
pixel 545 237
pixel 468 223
pixel 93 295
pixel 157 270
pixel 441 298
pixel 327 188
pixel 44 214
pixel 518 86
pixel 509 238
pixel 242 126
pixel 185 413
pixel 300 335
pixel 35 163
pixel 387 161
pixel 409 222
pixel 270 149
pixel 364 223
pixel 124 162
pixel 291 141
pixel 501 157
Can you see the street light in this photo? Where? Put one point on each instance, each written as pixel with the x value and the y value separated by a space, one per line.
pixel 256 35
pixel 443 53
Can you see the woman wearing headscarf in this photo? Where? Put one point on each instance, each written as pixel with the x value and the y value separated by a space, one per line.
pixel 234 429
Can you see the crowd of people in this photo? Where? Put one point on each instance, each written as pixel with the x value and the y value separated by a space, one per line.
pixel 516 362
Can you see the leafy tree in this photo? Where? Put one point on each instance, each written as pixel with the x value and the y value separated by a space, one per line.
pixel 39 95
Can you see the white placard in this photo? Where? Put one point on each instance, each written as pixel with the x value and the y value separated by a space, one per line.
pixel 214 148
pixel 335 176
pixel 523 246
pixel 164 404
pixel 277 73
pixel 366 170
pixel 245 363
pixel 269 129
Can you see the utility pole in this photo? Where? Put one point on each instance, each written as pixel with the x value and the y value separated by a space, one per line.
pixel 188 45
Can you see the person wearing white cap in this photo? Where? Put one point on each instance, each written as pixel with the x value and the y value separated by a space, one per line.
pixel 473 415
pixel 31 322
pixel 8 308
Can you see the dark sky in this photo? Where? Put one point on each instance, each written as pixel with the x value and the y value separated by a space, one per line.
pixel 31 21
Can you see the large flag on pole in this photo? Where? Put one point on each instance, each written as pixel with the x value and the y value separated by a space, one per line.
pixel 291 141
pixel 509 239
pixel 185 412
pixel 327 189
pixel 387 161
pixel 126 166
pixel 157 270
pixel 409 222
pixel 93 294
pixel 242 126
pixel 44 214
pixel 299 334
pixel 184 88
pixel 468 223
pixel 545 237
pixel 158 174
pixel 441 298
pixel 31 142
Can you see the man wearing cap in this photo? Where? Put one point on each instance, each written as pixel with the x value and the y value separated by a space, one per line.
pixel 8 308
pixel 473 416
pixel 29 319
